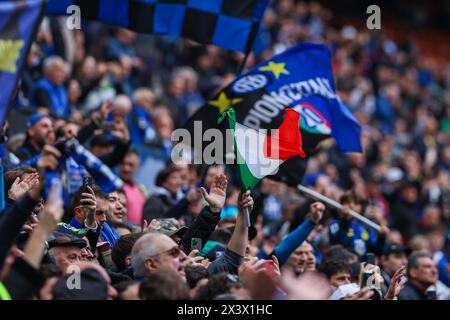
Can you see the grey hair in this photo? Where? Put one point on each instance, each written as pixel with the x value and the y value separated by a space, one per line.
pixel 139 94
pixel 146 246
pixel 55 59
pixel 413 260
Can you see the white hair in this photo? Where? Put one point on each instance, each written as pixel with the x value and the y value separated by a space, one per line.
pixel 50 61
pixel 141 93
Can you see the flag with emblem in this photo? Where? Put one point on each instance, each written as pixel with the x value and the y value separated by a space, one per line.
pixel 229 24
pixel 300 78
pixel 259 153
pixel 18 22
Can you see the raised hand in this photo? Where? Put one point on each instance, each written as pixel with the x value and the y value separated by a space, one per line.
pixel 258 280
pixel 217 193
pixel 21 186
pixel 48 159
pixel 52 212
pixel 246 201
pixel 193 259
pixel 154 225
pixel 364 294
pixel 89 203
pixel 316 212
pixel 395 286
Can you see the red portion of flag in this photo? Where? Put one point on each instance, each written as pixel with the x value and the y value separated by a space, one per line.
pixel 286 141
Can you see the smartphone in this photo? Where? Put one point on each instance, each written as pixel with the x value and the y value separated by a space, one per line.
pixel 87 182
pixel 270 267
pixel 196 244
pixel 371 259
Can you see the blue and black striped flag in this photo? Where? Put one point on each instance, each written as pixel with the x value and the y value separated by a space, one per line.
pixel 230 24
pixel 18 21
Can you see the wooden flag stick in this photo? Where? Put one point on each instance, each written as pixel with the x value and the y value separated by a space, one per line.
pixel 337 205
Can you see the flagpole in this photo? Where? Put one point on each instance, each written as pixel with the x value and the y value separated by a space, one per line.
pixel 247 217
pixel 339 206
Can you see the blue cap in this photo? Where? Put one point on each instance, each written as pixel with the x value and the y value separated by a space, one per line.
pixel 35 118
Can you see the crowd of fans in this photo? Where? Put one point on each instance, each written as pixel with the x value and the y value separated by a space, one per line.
pixel 177 231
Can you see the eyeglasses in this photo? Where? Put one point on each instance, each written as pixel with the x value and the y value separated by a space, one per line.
pixel 173 252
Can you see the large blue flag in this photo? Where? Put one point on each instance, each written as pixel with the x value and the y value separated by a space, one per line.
pixel 230 24
pixel 18 21
pixel 300 78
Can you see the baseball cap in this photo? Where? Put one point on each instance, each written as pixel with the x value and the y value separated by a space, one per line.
pixel 35 118
pixel 396 248
pixel 94 287
pixel 170 227
pixel 64 240
pixel 180 231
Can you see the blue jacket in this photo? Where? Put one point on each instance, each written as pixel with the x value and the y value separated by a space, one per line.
pixel 109 234
pixel 141 127
pixel 57 94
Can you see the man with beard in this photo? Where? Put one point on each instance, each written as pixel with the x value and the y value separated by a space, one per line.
pixel 39 133
pixel 302 259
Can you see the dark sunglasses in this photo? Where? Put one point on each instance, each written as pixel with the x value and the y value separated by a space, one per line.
pixel 173 252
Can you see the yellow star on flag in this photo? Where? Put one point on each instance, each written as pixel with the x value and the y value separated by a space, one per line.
pixel 276 68
pixel 223 102
pixel 10 53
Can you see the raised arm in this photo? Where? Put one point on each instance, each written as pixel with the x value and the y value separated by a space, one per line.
pixel 209 217
pixel 296 237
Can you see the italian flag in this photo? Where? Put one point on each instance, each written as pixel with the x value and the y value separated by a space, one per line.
pixel 260 153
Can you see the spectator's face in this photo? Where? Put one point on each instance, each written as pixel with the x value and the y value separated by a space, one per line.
pixel 431 217
pixel 86 253
pixel 66 256
pixel 89 68
pixel 126 36
pixel 129 167
pixel 393 262
pixel 163 124
pixel 409 194
pixel 100 213
pixel 303 259
pixel 116 208
pixel 426 273
pixel 74 91
pixel 42 132
pixel 354 206
pixel 173 182
pixel 169 256
pixel 56 73
pixel 212 172
pixel 146 101
pixel 340 278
